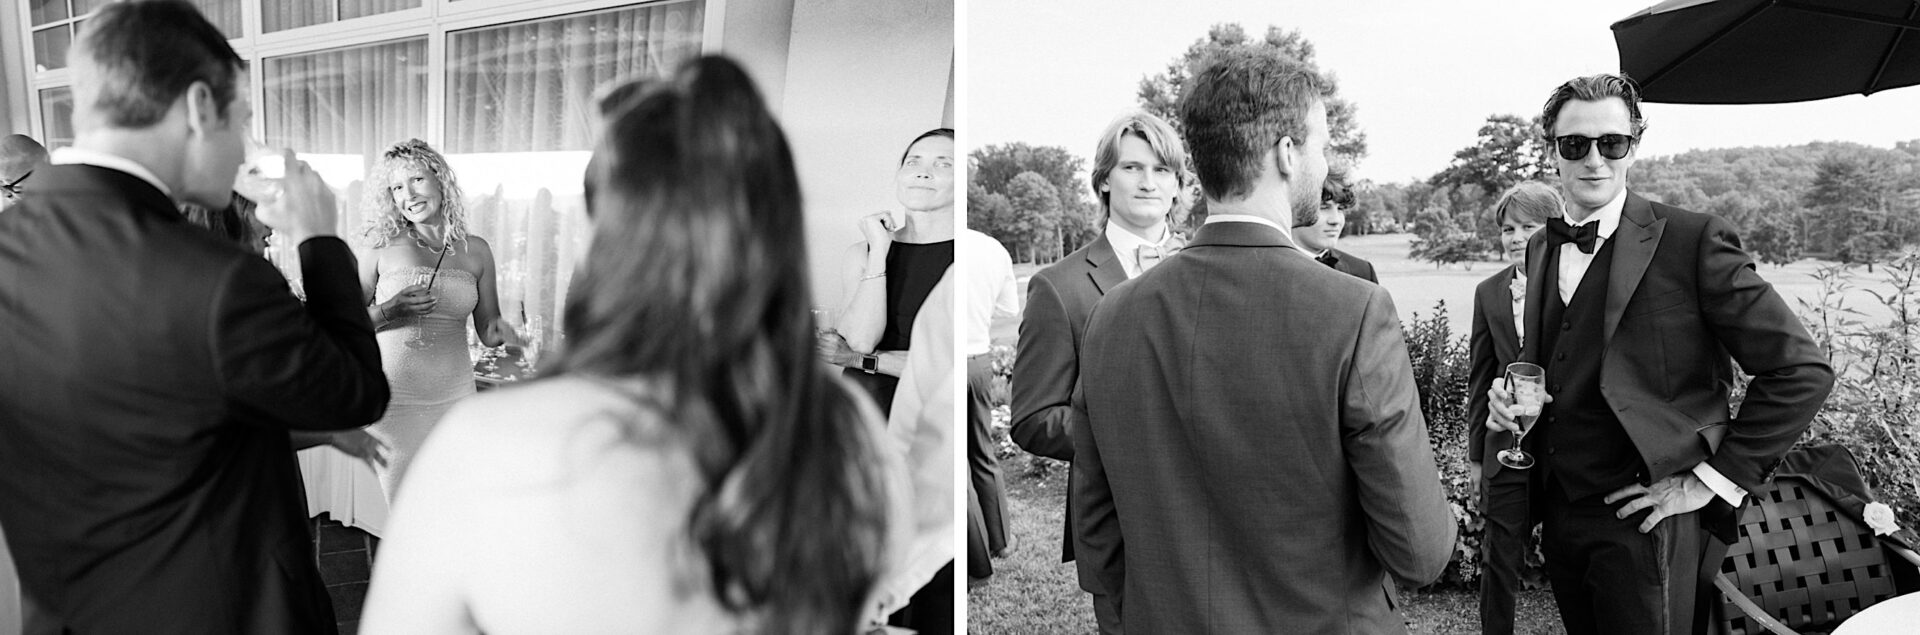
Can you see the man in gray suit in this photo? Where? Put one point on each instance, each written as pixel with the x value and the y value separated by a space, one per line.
pixel 1253 448
pixel 1138 171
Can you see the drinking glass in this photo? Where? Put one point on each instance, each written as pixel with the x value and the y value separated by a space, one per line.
pixel 259 177
pixel 1526 383
pixel 822 320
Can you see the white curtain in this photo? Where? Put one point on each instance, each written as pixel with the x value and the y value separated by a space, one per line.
pixel 280 15
pixel 520 128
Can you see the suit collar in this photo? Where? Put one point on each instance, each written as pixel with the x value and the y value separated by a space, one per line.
pixel 82 156
pixel 1238 234
pixel 1499 305
pixel 1104 265
pixel 90 180
pixel 1634 243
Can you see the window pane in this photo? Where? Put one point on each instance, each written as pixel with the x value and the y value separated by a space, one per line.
pixel 224 14
pixel 56 117
pixel 83 7
pixel 340 108
pixel 50 47
pixel 350 9
pixel 520 119
pixel 45 11
pixel 280 15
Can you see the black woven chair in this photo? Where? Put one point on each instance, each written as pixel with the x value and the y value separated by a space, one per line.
pixel 1805 561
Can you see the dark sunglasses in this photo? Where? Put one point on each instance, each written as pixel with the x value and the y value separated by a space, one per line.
pixel 1574 147
pixel 13 188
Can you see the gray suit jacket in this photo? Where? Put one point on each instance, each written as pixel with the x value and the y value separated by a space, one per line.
pixel 1059 299
pixel 1254 452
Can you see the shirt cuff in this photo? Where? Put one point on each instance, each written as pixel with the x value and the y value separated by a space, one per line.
pixel 1720 485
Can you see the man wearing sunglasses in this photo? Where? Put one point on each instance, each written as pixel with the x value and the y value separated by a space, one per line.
pixel 1639 308
pixel 20 155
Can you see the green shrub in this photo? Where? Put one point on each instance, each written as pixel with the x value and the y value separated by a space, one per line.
pixel 1875 405
pixel 1441 364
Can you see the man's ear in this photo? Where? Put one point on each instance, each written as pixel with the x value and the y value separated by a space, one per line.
pixel 1285 156
pixel 203 115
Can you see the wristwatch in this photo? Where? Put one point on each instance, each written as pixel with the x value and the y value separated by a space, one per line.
pixel 870 364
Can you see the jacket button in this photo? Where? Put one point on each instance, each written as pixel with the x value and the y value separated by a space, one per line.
pixel 1566 326
pixel 1560 356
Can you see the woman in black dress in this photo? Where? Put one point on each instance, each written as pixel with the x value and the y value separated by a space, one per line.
pixel 891 272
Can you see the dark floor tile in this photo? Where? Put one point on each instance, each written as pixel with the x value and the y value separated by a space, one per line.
pixel 347 599
pixel 335 538
pixel 344 567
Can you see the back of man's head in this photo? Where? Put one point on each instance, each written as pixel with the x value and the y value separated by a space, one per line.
pixel 1239 108
pixel 134 59
pixel 18 154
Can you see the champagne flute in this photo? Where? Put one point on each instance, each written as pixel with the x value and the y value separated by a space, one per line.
pixel 1526 383
pixel 822 320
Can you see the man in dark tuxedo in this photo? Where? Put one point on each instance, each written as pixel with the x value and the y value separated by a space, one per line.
pixel 1320 237
pixel 1495 342
pixel 1254 454
pixel 1638 309
pixel 150 372
pixel 1138 174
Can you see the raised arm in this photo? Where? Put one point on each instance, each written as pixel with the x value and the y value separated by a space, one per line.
pixel 1408 524
pixel 864 284
pixel 314 366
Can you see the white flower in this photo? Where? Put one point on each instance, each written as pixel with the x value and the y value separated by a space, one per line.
pixel 1880 517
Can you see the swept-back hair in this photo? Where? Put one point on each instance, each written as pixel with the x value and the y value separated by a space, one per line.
pixel 384 220
pixel 1337 189
pixel 1239 108
pixel 144 55
pixel 1529 201
pixel 1145 126
pixel 936 132
pixel 1594 88
pixel 696 280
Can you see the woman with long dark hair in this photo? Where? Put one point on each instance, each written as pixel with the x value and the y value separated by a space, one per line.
pixel 688 466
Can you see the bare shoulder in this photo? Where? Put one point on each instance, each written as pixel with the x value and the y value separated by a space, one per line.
pixel 549 429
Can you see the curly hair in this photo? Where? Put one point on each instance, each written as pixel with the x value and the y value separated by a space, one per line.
pixel 384 220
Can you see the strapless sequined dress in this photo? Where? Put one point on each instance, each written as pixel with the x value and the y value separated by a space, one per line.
pixel 427 363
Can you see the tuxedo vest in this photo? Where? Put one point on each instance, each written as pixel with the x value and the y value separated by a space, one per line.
pixel 1580 442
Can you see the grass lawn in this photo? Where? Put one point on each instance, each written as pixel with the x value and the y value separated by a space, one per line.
pixel 1417 285
pixel 1031 591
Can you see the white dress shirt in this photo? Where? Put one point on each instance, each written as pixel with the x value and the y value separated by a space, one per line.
pixel 1249 218
pixel 1573 268
pixel 988 287
pixel 1127 246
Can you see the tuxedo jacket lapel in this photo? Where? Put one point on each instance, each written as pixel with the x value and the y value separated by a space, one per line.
pixel 1633 245
pixel 1539 265
pixel 1105 270
pixel 1506 341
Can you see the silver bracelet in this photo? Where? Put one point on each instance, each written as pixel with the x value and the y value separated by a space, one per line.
pixel 882 274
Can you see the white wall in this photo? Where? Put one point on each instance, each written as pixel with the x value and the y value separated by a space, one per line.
pixel 863 78
pixel 14 86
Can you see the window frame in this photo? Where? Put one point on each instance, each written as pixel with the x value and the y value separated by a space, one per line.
pixel 435 19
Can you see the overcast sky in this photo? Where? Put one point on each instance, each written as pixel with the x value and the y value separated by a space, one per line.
pixel 1424 75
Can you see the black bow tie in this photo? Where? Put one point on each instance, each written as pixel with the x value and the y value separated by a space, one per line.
pixel 1582 236
pixel 1328 258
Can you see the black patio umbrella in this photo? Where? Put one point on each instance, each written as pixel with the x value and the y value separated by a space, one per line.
pixel 1769 51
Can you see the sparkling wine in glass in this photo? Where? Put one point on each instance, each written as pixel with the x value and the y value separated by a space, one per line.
pixel 1526 383
pixel 259 177
pixel 822 320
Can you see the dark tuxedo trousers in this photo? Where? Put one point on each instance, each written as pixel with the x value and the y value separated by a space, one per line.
pixel 1678 303
pixel 149 375
pixel 1504 503
pixel 1253 452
